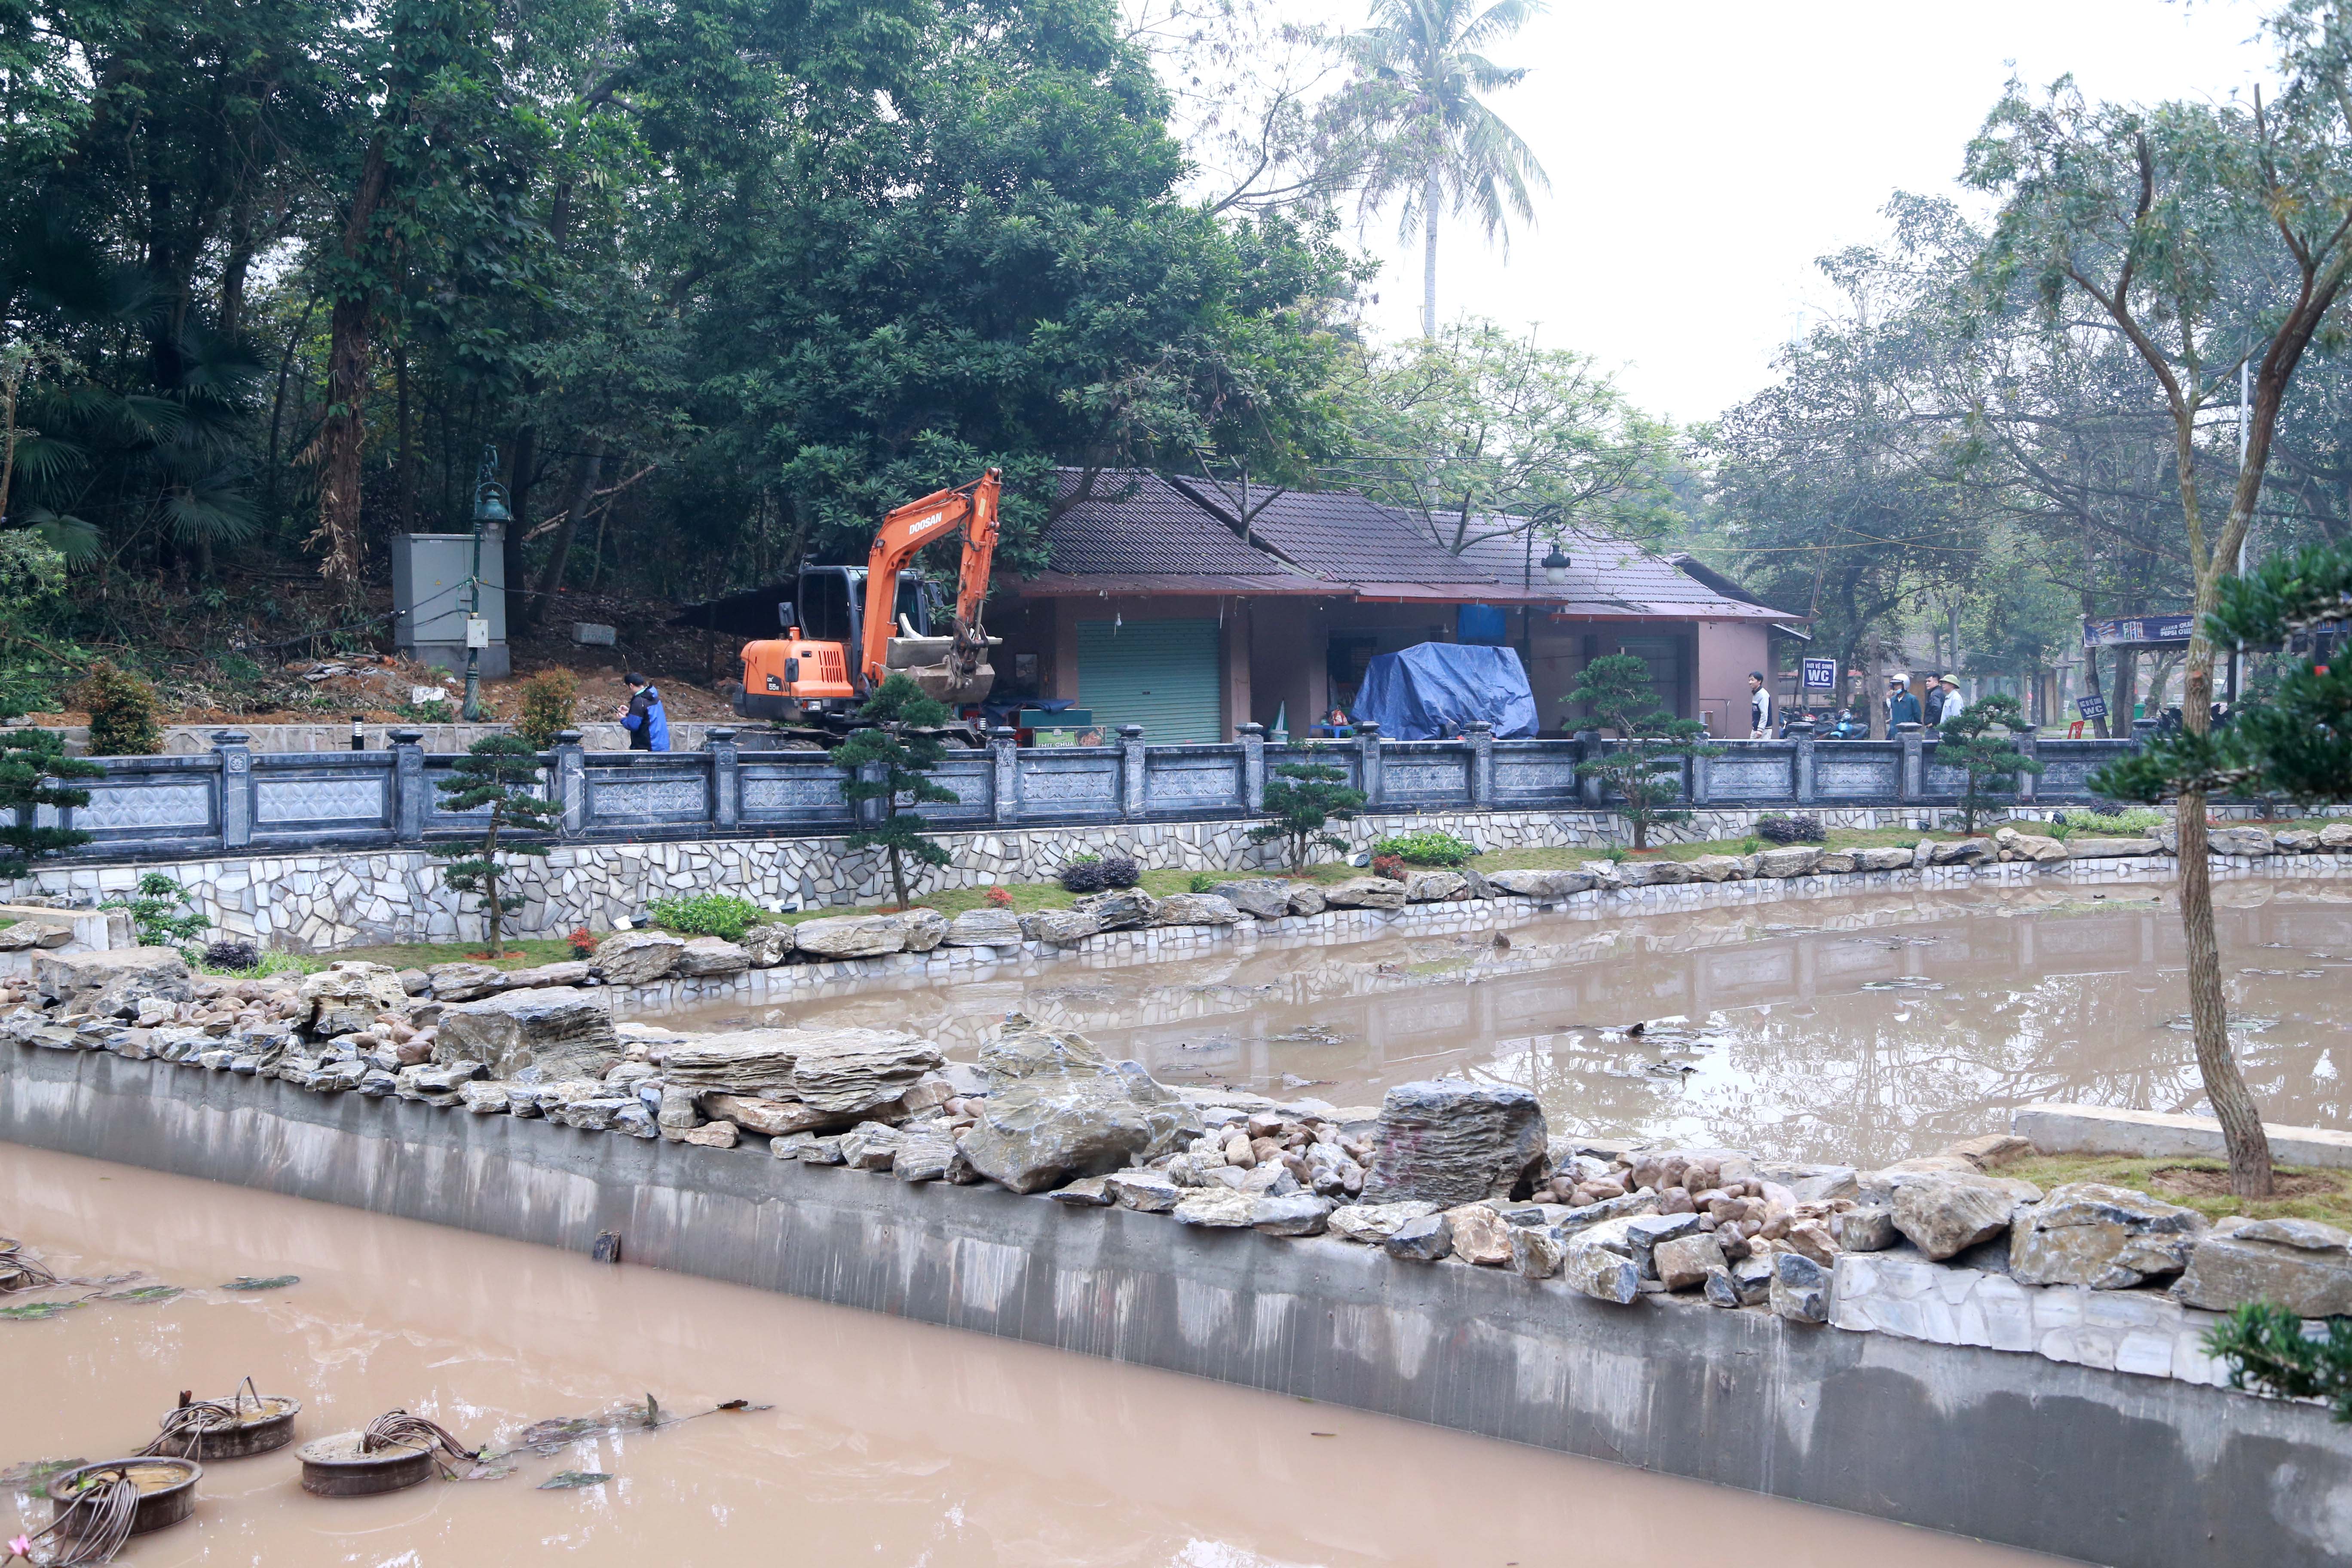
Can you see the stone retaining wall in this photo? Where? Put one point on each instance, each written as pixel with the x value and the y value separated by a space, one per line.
pixel 1909 1422
pixel 314 901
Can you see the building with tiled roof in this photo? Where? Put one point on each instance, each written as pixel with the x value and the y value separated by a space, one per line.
pixel 1164 605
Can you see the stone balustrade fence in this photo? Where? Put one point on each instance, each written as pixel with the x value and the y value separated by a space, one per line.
pixel 234 798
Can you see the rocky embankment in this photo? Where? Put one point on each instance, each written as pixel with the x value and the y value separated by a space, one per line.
pixel 1443 1173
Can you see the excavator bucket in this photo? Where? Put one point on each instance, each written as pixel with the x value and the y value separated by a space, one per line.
pixel 946 673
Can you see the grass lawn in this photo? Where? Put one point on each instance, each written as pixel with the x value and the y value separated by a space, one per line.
pixel 524 952
pixel 2199 1185
pixel 1838 839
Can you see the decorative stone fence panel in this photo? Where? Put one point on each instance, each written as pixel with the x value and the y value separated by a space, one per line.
pixel 237 800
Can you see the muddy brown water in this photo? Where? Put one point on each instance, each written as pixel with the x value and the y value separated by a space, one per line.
pixel 1861 1029
pixel 888 1443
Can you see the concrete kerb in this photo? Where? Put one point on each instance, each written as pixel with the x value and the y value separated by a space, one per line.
pixel 2059 1458
pixel 2155 1134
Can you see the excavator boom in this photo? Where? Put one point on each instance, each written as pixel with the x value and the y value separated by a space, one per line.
pixel 953 669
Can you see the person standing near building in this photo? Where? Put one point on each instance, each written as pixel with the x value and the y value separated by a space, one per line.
pixel 1760 705
pixel 644 718
pixel 1934 702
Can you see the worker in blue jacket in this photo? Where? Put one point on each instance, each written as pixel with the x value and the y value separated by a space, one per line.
pixel 647 724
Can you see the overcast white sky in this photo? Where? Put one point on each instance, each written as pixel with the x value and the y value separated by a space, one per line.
pixel 1703 154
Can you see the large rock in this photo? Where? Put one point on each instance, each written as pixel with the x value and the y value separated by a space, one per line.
pixel 1943 1215
pixel 851 936
pixel 709 955
pixel 1434 887
pixel 1962 852
pixel 465 982
pixel 2301 1265
pixel 348 997
pixel 1717 868
pixel 638 957
pixel 2239 841
pixel 757 1062
pixel 1300 1214
pixel 1372 1223
pixel 926 929
pixel 1260 898
pixel 25 934
pixel 2079 848
pixel 1365 893
pixel 1055 1112
pixel 113 983
pixel 1886 857
pixel 1216 1209
pixel 2110 1239
pixel 1652 873
pixel 1060 928
pixel 1683 1263
pixel 563 1033
pixel 1121 908
pixel 769 944
pixel 571 972
pixel 1799 1290
pixel 770 1118
pixel 1306 898
pixel 1479 1234
pixel 1539 884
pixel 1589 1265
pixel 2336 835
pixel 1450 1140
pixel 984 928
pixel 861 1071
pixel 1195 910
pixel 1795 860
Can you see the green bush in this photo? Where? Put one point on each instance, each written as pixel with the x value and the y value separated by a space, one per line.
pixel 548 700
pixel 721 915
pixel 126 712
pixel 1425 849
pixel 1203 881
pixel 2112 824
pixel 162 914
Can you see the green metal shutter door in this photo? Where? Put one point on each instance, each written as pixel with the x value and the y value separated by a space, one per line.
pixel 1161 675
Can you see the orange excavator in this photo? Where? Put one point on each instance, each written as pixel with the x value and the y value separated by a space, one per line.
pixel 851 627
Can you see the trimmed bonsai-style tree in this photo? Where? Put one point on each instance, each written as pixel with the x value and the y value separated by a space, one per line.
pixel 1646 767
pixel 498 776
pixel 1981 740
pixel 897 745
pixel 33 768
pixel 1303 799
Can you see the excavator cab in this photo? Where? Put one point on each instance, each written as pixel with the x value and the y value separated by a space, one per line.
pixel 805 672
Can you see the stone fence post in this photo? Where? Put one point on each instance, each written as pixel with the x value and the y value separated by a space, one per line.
pixel 2028 743
pixel 1589 788
pixel 1130 770
pixel 1914 762
pixel 1701 778
pixel 1482 764
pixel 409 807
pixel 1004 765
pixel 570 783
pixel 1801 764
pixel 872 808
pixel 726 777
pixel 1253 739
pixel 1367 741
pixel 236 752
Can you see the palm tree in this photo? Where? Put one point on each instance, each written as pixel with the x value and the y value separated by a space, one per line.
pixel 1419 89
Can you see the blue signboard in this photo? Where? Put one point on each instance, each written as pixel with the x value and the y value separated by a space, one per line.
pixel 1820 675
pixel 2139 631
pixel 2091 707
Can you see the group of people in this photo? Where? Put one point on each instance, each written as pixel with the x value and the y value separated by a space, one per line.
pixel 1943 699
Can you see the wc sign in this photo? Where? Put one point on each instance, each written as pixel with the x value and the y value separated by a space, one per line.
pixel 1820 675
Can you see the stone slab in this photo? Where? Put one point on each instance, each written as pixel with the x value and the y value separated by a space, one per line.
pixel 2155 1134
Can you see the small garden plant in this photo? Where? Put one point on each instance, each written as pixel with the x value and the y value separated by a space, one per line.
pixel 126 711
pixel 722 915
pixel 163 913
pixel 547 706
pixel 1427 848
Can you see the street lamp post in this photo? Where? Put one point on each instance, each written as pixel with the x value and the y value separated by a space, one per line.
pixel 489 505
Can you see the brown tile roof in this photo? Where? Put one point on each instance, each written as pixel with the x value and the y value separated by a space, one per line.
pixel 1609 578
pixel 1139 523
pixel 1345 537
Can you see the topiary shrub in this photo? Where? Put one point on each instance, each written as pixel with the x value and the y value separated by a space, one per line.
pixel 547 706
pixel 126 712
pixel 1121 871
pixel 1802 828
pixel 1429 848
pixel 1083 875
pixel 1388 866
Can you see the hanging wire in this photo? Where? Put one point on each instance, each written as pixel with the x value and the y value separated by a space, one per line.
pixel 94 1526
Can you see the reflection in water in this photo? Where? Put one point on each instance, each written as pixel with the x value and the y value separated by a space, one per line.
pixel 1868 1028
pixel 889 1443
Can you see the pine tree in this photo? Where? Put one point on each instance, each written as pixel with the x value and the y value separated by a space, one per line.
pixel 1646 767
pixel 498 775
pixel 32 763
pixel 1981 741
pixel 899 713
pixel 1303 798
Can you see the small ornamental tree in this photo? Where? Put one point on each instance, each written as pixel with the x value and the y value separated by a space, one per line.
pixel 33 766
pixel 495 776
pixel 896 751
pixel 162 914
pixel 126 712
pixel 1981 741
pixel 1303 798
pixel 1646 767
pixel 548 699
pixel 2267 1351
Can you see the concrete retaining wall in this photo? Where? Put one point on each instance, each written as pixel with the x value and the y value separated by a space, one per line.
pixel 2156 1134
pixel 2141 1472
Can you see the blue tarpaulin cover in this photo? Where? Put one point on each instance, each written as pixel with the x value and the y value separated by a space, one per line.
pixel 1430 691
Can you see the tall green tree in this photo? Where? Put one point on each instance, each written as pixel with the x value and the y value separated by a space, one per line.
pixel 498 777
pixel 1981 741
pixel 2137 213
pixel 1422 87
